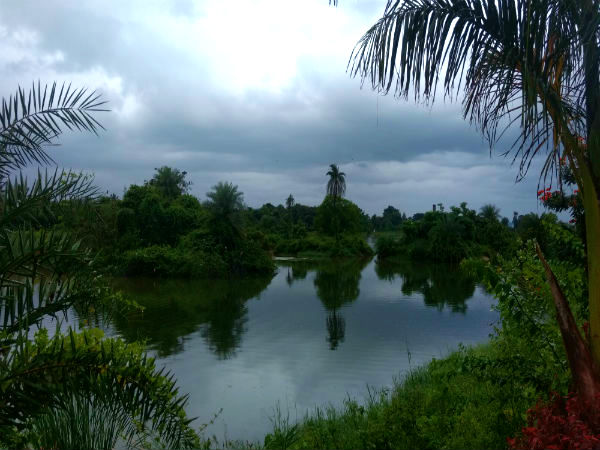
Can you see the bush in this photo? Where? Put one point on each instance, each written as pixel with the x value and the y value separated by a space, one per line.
pixel 457 402
pixel 157 261
pixel 321 245
pixel 386 246
pixel 562 423
pixel 250 258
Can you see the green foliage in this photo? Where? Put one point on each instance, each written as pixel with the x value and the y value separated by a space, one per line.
pixel 49 386
pixel 339 215
pixel 156 234
pixel 388 245
pixel 450 236
pixel 64 375
pixel 314 244
pixel 171 183
pixel 475 397
pixel 455 403
pixel 29 121
pixel 164 261
pixel 390 220
pixel 336 185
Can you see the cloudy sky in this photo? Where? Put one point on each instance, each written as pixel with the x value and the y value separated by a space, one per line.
pixel 254 92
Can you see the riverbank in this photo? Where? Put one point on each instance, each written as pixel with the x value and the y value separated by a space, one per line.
pixel 477 397
pixel 464 401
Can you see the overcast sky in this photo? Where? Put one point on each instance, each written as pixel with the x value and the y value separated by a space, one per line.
pixel 254 92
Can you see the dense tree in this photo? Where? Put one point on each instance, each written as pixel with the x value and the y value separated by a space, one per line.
pixel 529 64
pixel 448 236
pixel 342 216
pixel 170 182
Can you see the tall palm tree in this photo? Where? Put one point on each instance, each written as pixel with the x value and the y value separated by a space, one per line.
pixel 336 186
pixel 289 202
pixel 531 65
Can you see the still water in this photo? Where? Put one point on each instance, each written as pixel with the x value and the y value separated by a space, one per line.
pixel 313 334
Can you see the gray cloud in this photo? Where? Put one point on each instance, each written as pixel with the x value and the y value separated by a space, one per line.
pixel 255 94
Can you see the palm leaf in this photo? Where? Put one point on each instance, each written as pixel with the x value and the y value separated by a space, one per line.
pixel 30 120
pixel 514 62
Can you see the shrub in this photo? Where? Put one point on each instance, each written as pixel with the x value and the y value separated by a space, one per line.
pixel 562 423
pixel 389 246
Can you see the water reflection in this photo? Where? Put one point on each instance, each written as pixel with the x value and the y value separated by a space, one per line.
pixel 176 308
pixel 247 355
pixel 217 310
pixel 337 283
pixel 440 284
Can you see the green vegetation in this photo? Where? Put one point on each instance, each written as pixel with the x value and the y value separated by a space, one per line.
pixel 531 65
pixel 157 229
pixel 336 228
pixel 72 389
pixel 475 397
pixel 160 230
pixel 449 236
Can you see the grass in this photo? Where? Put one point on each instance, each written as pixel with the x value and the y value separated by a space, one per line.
pixel 459 402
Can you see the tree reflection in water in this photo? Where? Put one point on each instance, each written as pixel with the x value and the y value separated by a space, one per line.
pixel 337 284
pixel 173 309
pixel 442 285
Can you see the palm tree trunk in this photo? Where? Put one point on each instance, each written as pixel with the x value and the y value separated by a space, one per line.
pixel 586 375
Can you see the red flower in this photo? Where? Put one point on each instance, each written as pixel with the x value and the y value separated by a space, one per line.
pixel 572 221
pixel 540 192
pixel 576 191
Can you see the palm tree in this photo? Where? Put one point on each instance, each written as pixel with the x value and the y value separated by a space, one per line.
pixel 110 389
pixel 225 203
pixel 336 186
pixel 532 65
pixel 289 202
pixel 490 212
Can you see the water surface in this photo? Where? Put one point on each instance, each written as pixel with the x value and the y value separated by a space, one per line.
pixel 313 334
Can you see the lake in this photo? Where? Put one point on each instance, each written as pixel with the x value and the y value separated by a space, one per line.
pixel 315 333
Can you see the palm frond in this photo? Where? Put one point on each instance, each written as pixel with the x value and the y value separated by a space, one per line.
pixel 30 120
pixel 41 379
pixel 23 202
pixel 517 62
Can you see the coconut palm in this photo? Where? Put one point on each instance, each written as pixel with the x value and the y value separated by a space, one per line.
pixel 336 186
pixel 289 202
pixel 225 203
pixel 490 212
pixel 529 65
pixel 74 390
